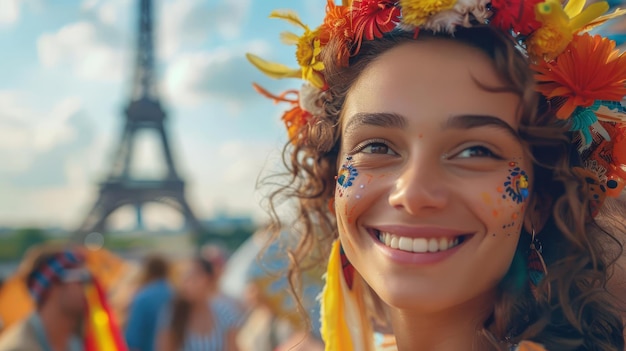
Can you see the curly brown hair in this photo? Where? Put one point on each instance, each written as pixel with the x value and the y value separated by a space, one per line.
pixel 578 314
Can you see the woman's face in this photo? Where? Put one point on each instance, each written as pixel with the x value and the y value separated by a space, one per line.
pixel 433 181
pixel 197 283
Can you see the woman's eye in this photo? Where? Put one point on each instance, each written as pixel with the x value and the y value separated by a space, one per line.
pixel 377 148
pixel 476 151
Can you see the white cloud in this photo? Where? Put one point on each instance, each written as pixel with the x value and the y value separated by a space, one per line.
pixel 48 158
pixel 9 11
pixel 108 12
pixel 89 4
pixel 85 50
pixel 226 181
pixel 12 11
pixel 191 22
pixel 61 205
pixel 222 75
pixel 29 136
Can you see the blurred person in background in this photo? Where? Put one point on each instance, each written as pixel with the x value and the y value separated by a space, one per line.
pixel 267 330
pixel 196 320
pixel 154 293
pixel 273 321
pixel 263 329
pixel 55 278
pixel 218 257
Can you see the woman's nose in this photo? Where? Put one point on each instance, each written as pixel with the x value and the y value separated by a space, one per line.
pixel 420 188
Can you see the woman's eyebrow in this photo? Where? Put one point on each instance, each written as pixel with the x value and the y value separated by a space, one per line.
pixel 394 120
pixel 477 121
pixel 379 119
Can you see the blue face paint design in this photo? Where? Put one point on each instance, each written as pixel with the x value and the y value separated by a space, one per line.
pixel 346 176
pixel 516 184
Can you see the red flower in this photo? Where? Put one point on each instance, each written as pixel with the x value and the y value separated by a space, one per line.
pixel 518 15
pixel 372 18
pixel 337 25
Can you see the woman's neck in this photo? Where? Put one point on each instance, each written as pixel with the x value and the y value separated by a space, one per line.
pixel 201 307
pixel 457 328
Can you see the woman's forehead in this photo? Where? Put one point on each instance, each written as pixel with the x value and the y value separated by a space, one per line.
pixel 435 79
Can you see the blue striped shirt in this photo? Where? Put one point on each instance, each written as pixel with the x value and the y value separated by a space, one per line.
pixel 226 316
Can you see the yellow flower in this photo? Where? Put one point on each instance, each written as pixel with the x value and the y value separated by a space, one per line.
pixel 308 49
pixel 559 26
pixel 307 52
pixel 417 12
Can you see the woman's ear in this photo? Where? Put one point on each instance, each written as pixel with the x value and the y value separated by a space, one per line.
pixel 538 212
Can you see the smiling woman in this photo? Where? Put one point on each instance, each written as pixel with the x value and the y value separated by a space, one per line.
pixel 446 192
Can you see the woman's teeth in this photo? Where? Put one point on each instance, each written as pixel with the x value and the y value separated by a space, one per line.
pixel 418 245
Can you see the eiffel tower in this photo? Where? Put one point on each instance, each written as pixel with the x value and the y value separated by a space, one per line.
pixel 144 113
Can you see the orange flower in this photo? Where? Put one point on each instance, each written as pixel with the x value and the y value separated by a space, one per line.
pixel 337 25
pixel 589 69
pixel 296 118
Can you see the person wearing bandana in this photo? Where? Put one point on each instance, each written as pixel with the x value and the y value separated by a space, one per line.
pixel 55 280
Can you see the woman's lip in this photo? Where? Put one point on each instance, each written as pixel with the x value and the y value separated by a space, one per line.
pixel 420 232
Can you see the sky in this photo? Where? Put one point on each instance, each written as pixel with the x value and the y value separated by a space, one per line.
pixel 65 77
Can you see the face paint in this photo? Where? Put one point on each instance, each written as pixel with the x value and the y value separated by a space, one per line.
pixel 346 176
pixel 516 184
pixel 515 223
pixel 487 199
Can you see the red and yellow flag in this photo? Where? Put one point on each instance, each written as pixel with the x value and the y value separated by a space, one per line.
pixel 102 331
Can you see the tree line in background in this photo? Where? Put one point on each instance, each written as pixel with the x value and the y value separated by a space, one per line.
pixel 14 244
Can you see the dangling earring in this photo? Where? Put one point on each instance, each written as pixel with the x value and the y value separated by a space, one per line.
pixel 537 269
pixel 347 267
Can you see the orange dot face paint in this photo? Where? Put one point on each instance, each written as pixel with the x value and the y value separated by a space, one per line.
pixel 487 199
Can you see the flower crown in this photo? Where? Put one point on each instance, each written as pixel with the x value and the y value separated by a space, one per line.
pixel 583 75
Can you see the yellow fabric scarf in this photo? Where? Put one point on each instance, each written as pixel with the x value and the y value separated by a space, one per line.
pixel 345 325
